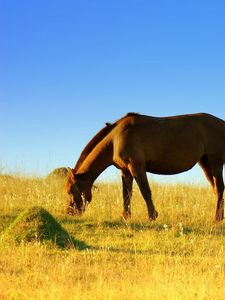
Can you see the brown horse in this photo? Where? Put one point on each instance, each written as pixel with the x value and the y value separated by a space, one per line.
pixel 137 144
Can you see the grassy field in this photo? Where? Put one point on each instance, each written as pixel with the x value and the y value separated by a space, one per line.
pixel 180 256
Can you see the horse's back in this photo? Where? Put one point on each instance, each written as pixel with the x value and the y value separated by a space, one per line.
pixel 185 126
pixel 168 144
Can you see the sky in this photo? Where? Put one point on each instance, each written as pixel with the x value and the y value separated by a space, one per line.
pixel 67 67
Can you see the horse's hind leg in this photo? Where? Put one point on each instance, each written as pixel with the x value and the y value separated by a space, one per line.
pixel 127 181
pixel 207 169
pixel 214 174
pixel 139 173
pixel 219 189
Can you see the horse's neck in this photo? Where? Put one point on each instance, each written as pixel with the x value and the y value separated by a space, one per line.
pixel 97 161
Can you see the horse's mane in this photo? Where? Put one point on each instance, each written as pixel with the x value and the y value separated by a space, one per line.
pixel 96 139
pixel 93 142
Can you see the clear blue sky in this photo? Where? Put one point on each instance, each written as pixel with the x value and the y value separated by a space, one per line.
pixel 66 67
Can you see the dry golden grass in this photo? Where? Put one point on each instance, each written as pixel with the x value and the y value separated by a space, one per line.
pixel 180 256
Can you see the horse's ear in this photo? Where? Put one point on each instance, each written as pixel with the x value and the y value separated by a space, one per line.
pixel 81 176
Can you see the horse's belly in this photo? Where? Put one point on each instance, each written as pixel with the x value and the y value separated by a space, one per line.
pixel 165 168
pixel 167 160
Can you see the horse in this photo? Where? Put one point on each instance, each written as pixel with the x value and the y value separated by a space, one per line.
pixel 137 144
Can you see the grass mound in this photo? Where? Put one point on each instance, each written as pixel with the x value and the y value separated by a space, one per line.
pixel 58 173
pixel 37 224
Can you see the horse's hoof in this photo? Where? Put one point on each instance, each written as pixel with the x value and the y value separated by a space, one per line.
pixel 154 216
pixel 126 215
pixel 219 219
pixel 71 211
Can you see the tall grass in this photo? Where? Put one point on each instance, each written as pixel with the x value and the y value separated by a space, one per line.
pixel 180 256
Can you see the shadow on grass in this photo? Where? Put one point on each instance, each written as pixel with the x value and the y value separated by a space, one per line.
pixel 75 224
pixel 78 244
pixel 151 251
pixel 199 229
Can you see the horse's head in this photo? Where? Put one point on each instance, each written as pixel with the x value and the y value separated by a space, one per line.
pixel 79 190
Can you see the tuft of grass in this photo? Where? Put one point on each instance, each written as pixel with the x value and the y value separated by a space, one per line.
pixel 36 224
pixel 58 173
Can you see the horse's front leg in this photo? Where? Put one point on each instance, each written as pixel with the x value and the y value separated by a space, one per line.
pixel 127 182
pixel 139 173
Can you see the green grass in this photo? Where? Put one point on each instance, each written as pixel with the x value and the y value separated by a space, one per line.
pixel 37 224
pixel 180 256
